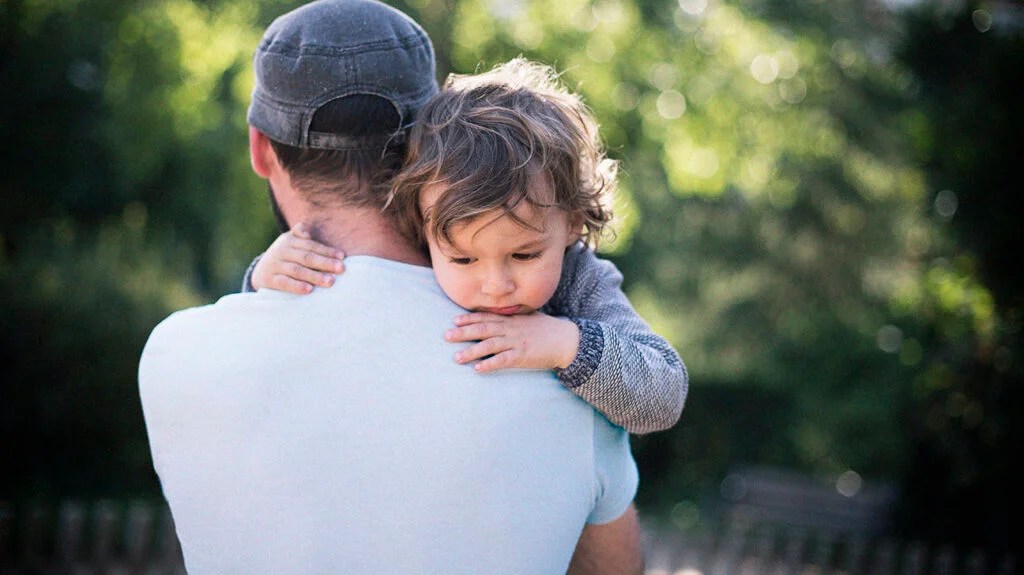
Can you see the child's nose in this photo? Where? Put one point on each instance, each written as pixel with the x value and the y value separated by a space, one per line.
pixel 497 283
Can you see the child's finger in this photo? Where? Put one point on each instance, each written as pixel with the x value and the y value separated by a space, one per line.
pixel 476 317
pixel 301 230
pixel 481 349
pixel 475 331
pixel 284 283
pixel 504 360
pixel 314 261
pixel 304 274
pixel 314 246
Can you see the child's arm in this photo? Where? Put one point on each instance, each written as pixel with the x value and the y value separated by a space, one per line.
pixel 294 263
pixel 619 365
pixel 624 369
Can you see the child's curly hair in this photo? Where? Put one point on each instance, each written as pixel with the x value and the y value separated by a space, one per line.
pixel 488 138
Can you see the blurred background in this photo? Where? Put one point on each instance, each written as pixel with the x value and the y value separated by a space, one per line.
pixel 817 208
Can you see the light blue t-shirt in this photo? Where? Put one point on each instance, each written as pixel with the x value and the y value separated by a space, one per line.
pixel 333 433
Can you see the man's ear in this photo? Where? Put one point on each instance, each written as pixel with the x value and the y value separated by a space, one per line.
pixel 261 154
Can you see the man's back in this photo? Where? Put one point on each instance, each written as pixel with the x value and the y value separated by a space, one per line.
pixel 334 433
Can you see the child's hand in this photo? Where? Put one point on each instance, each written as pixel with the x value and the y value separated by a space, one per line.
pixel 535 341
pixel 294 262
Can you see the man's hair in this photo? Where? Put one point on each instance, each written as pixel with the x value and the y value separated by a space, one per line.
pixel 355 177
pixel 492 140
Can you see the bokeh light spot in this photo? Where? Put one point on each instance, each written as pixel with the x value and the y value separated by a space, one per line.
pixel 625 96
pixel 787 63
pixel 889 338
pixel 693 7
pixel 84 75
pixel 982 20
pixel 703 163
pixel 664 76
pixel 945 204
pixel 849 483
pixel 685 515
pixel 793 91
pixel 608 11
pixel 706 41
pixel 671 104
pixel 733 487
pixel 845 54
pixel 764 69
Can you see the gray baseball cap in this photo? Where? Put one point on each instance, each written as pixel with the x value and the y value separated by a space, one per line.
pixel 330 49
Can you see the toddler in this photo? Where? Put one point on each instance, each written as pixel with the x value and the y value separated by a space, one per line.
pixel 504 184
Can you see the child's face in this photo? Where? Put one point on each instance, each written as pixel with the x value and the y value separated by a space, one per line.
pixel 495 265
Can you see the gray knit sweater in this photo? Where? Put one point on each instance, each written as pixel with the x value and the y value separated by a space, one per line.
pixel 625 370
pixel 622 368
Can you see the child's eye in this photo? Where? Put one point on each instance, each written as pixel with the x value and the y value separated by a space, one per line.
pixel 526 257
pixel 461 261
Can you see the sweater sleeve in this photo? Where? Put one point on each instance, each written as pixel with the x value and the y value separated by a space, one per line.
pixel 247 278
pixel 625 370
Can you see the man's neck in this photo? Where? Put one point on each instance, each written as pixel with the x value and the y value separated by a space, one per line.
pixel 356 231
pixel 363 232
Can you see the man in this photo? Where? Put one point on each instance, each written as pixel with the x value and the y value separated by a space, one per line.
pixel 333 433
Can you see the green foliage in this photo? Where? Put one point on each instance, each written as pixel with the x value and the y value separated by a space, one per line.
pixel 128 196
pixel 78 307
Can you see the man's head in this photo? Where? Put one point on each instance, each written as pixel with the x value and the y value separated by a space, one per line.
pixel 338 83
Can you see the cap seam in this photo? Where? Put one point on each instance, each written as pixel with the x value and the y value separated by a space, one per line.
pixel 313 48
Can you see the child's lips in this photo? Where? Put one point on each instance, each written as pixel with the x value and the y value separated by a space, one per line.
pixel 507 310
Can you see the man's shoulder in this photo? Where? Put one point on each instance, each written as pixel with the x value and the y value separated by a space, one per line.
pixel 190 330
pixel 196 316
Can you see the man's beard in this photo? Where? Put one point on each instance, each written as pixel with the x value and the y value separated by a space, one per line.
pixel 282 224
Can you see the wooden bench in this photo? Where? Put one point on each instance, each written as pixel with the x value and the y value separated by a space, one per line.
pixel 765 495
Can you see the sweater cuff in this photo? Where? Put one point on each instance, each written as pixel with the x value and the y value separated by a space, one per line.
pixel 247 286
pixel 587 358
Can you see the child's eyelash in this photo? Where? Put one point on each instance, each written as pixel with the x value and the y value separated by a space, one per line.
pixel 524 257
pixel 460 261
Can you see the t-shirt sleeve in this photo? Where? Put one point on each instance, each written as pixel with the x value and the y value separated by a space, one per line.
pixel 615 474
pixel 247 286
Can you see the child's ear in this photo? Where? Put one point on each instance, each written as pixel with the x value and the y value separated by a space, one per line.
pixel 575 229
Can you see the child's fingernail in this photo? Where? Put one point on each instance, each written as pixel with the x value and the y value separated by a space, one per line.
pixel 458 358
pixel 338 266
pixel 449 334
pixel 328 280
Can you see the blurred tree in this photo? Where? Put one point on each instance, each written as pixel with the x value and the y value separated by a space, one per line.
pixel 128 196
pixel 966 131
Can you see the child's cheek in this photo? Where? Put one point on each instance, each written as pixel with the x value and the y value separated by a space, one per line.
pixel 455 285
